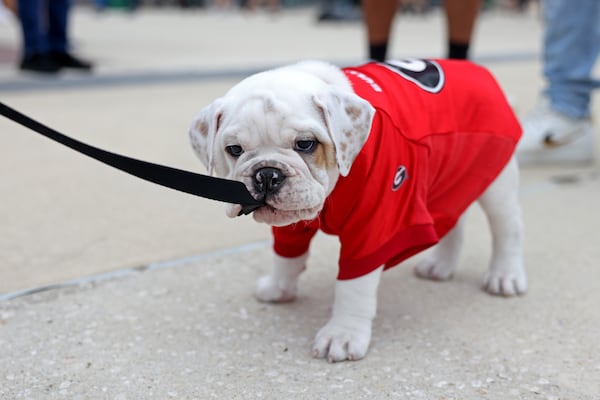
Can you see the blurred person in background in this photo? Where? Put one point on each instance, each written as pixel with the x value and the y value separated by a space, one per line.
pixel 338 10
pixel 559 128
pixel 7 8
pixel 460 17
pixel 252 5
pixel 127 5
pixel 45 37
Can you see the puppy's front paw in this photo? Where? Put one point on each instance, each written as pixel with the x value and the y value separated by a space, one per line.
pixel 506 280
pixel 434 269
pixel 270 289
pixel 343 339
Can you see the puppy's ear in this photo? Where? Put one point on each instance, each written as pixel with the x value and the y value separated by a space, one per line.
pixel 203 132
pixel 348 118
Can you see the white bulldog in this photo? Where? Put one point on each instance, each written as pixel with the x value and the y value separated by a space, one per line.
pixel 309 139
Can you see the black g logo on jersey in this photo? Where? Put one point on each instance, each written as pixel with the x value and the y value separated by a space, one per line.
pixel 426 74
pixel 399 177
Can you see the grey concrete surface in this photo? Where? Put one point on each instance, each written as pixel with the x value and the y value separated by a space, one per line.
pixel 149 291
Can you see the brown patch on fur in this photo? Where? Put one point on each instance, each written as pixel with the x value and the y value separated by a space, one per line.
pixel 218 124
pixel 349 133
pixel 353 112
pixel 324 156
pixel 202 127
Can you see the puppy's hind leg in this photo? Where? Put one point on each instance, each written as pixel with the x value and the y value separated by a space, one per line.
pixel 440 264
pixel 506 275
pixel 281 284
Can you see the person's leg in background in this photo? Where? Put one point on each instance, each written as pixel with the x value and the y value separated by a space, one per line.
pixel 379 16
pixel 571 46
pixel 58 42
pixel 559 129
pixel 460 16
pixel 35 47
pixel 460 21
pixel 58 14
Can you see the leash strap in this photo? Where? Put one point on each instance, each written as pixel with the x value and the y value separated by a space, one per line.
pixel 210 187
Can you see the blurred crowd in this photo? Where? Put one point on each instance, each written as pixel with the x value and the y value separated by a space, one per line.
pixel 404 6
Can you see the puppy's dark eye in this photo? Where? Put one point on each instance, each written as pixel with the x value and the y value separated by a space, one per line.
pixel 305 145
pixel 234 150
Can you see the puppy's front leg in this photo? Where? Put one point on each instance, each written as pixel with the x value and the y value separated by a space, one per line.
pixel 281 284
pixel 348 333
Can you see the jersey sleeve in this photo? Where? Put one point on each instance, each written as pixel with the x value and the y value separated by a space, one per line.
pixel 294 240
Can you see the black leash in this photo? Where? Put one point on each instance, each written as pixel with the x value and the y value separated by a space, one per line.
pixel 199 185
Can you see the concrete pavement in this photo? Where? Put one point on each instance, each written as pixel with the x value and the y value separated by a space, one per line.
pixel 153 288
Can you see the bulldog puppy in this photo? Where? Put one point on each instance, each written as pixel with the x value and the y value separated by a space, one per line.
pixel 388 156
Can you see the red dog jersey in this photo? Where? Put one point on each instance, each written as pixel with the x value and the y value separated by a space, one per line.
pixel 442 132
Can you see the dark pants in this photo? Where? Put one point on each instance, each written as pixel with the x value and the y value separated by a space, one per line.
pixel 44 24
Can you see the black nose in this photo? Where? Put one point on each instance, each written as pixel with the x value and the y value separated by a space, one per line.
pixel 268 180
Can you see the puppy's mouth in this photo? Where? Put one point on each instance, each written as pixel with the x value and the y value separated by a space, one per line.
pixel 246 209
pixel 249 209
pixel 265 183
pixel 283 194
pixel 278 217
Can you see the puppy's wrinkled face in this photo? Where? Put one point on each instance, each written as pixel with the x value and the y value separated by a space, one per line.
pixel 281 155
pixel 287 135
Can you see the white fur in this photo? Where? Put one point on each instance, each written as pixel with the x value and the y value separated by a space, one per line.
pixel 280 285
pixel 266 114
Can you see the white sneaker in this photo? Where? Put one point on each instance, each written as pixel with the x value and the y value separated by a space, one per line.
pixel 550 137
